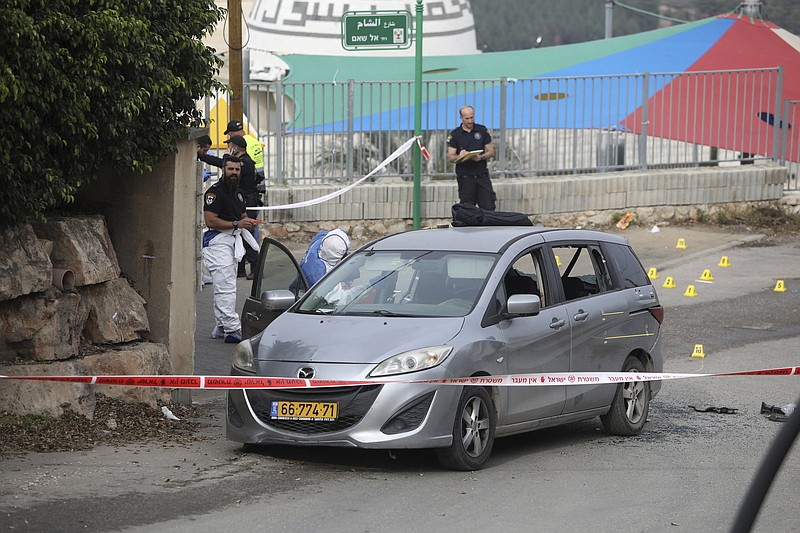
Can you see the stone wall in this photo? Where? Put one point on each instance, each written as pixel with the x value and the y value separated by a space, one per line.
pixel 653 197
pixel 542 196
pixel 97 324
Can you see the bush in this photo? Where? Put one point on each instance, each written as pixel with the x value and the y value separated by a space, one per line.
pixel 95 82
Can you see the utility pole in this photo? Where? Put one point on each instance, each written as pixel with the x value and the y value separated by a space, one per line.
pixel 235 58
pixel 417 115
pixel 609 18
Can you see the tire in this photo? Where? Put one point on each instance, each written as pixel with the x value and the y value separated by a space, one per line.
pixel 473 431
pixel 631 403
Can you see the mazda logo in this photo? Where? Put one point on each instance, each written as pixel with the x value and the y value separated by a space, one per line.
pixel 306 372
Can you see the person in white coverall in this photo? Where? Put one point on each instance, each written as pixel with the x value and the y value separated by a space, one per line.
pixel 327 248
pixel 227 222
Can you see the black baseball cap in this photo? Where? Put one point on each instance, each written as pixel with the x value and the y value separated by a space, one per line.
pixel 233 125
pixel 239 141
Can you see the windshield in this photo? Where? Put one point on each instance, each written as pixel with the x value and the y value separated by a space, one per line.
pixel 402 283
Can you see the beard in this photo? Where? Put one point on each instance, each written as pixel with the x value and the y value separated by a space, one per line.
pixel 231 185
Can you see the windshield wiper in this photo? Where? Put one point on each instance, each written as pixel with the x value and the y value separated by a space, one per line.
pixel 384 312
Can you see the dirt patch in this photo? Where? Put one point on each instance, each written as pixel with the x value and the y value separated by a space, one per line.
pixel 115 423
pixel 770 220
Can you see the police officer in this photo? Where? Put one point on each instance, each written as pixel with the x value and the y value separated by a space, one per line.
pixel 248 186
pixel 254 148
pixel 474 184
pixel 226 220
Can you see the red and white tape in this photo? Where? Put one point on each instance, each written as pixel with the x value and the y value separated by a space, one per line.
pixel 512 380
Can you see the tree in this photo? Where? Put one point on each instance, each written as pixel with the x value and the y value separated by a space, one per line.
pixel 85 83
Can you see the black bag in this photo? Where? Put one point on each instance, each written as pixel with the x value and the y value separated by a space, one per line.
pixel 469 215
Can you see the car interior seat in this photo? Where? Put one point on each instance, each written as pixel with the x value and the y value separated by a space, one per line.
pixel 432 288
pixel 519 284
pixel 573 288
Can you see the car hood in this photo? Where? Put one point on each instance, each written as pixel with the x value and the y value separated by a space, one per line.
pixel 351 339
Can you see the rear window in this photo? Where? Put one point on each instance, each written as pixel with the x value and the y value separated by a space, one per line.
pixel 629 271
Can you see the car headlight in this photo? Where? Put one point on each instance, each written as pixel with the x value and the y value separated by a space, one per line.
pixel 243 354
pixel 412 361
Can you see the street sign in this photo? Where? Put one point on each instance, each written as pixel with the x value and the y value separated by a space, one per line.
pixel 376 30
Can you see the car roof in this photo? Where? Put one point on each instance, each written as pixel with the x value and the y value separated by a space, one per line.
pixel 490 239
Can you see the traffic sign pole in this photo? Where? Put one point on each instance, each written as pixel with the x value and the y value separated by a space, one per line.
pixel 417 113
pixel 383 30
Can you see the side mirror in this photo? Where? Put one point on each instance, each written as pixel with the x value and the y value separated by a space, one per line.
pixel 523 305
pixel 280 300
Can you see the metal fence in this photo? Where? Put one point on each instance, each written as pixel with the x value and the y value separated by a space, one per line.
pixel 789 145
pixel 328 131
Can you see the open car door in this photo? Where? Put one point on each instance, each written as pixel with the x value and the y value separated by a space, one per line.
pixel 277 269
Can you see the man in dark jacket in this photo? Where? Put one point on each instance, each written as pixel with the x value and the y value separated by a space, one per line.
pixel 470 146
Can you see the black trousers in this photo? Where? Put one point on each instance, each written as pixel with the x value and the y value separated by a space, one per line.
pixel 250 255
pixel 477 190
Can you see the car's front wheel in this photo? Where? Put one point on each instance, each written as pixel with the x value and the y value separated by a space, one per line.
pixel 631 403
pixel 473 431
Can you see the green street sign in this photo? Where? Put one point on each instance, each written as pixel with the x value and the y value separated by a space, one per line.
pixel 376 30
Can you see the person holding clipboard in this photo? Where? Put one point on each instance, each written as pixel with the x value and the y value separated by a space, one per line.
pixel 469 146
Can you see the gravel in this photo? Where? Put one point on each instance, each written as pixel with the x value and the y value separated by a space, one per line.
pixel 114 423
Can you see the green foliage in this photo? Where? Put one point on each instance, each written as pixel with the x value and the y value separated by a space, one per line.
pixel 616 217
pixel 85 83
pixel 722 218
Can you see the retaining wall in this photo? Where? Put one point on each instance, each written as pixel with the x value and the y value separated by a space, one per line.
pixel 546 195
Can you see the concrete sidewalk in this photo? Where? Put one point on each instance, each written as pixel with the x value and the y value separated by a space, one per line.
pixel 658 250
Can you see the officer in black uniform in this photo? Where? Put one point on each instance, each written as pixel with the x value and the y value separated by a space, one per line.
pixel 224 215
pixel 248 186
pixel 474 184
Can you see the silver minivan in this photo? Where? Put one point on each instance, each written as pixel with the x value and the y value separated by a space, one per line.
pixel 447 303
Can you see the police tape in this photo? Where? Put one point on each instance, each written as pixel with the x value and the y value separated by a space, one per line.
pixel 403 148
pixel 546 379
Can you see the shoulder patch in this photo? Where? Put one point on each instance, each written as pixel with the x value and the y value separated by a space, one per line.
pixel 449 138
pixel 210 197
pixel 477 135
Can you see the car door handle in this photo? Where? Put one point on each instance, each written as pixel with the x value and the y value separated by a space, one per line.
pixel 580 315
pixel 556 323
pixel 253 317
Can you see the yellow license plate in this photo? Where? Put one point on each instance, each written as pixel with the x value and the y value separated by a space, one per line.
pixel 325 411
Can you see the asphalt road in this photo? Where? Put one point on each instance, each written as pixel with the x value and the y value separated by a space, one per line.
pixel 687 470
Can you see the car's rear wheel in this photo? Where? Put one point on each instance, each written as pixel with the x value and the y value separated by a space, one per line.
pixel 631 403
pixel 473 431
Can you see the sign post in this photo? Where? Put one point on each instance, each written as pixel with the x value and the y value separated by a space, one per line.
pixel 391 30
pixel 417 115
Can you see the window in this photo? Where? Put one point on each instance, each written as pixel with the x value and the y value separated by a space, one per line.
pixel 412 283
pixel 628 268
pixel 525 276
pixel 583 270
